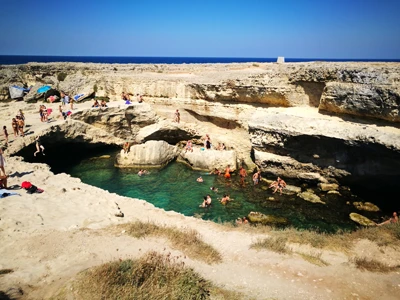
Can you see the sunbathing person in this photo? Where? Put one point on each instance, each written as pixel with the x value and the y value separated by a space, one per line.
pixel 103 103
pixel 393 220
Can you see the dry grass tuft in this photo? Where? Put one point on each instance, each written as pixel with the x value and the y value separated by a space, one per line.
pixel 276 244
pixel 154 276
pixel 388 235
pixel 373 265
pixel 314 258
pixel 188 241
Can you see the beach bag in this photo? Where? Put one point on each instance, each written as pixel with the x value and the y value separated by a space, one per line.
pixel 26 185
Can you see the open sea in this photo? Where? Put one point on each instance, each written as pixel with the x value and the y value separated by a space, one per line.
pixel 23 59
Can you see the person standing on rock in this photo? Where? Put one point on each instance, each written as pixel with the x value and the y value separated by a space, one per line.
pixel 5 134
pixel 177 118
pixel 14 124
pixel 64 98
pixel 257 177
pixel 2 162
pixel 21 125
pixel 243 174
pixel 228 172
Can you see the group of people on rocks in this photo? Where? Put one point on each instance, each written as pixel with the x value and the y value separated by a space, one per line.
pixel 127 97
pixel 17 124
pixel 207 144
pixel 102 103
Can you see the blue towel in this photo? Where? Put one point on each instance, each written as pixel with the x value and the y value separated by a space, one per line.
pixel 5 193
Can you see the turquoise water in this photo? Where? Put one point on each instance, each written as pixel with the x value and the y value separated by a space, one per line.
pixel 175 188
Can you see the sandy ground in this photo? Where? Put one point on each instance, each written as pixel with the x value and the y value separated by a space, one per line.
pixel 48 238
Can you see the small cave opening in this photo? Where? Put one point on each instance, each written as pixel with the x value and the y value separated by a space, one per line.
pixel 61 155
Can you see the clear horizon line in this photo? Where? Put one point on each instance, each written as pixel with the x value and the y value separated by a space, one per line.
pixel 247 57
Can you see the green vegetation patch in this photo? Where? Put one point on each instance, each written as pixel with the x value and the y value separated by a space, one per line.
pixel 188 240
pixel 61 76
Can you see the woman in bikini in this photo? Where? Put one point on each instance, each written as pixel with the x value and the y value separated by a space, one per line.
pixel 14 125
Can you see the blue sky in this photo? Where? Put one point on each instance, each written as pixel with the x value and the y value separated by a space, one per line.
pixel 202 28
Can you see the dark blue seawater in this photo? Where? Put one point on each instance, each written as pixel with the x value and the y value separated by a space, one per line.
pixel 23 59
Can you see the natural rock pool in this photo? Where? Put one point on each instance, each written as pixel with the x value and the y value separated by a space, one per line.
pixel 175 188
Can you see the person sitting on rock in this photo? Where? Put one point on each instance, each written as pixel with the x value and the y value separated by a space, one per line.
pixel 96 103
pixel 200 179
pixel 393 220
pixel 125 96
pixel 279 184
pixel 189 146
pixel 103 103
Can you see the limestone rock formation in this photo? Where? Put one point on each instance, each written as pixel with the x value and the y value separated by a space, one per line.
pixel 366 89
pixel 259 218
pixel 310 197
pixel 287 167
pixel 367 206
pixel 124 122
pixel 150 154
pixel 362 100
pixel 209 159
pixel 325 187
pixel 364 221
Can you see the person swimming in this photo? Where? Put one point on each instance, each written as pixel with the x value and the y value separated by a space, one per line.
pixel 206 202
pixel 226 198
pixel 200 179
pixel 213 188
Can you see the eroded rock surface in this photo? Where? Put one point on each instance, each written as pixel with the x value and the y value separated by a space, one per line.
pixel 149 154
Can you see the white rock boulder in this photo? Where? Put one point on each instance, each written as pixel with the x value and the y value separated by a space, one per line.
pixel 150 154
pixel 209 159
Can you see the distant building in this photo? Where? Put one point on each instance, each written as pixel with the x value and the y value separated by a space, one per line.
pixel 280 60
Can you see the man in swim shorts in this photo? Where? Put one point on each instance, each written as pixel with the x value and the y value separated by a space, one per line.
pixel 243 174
pixel 257 177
